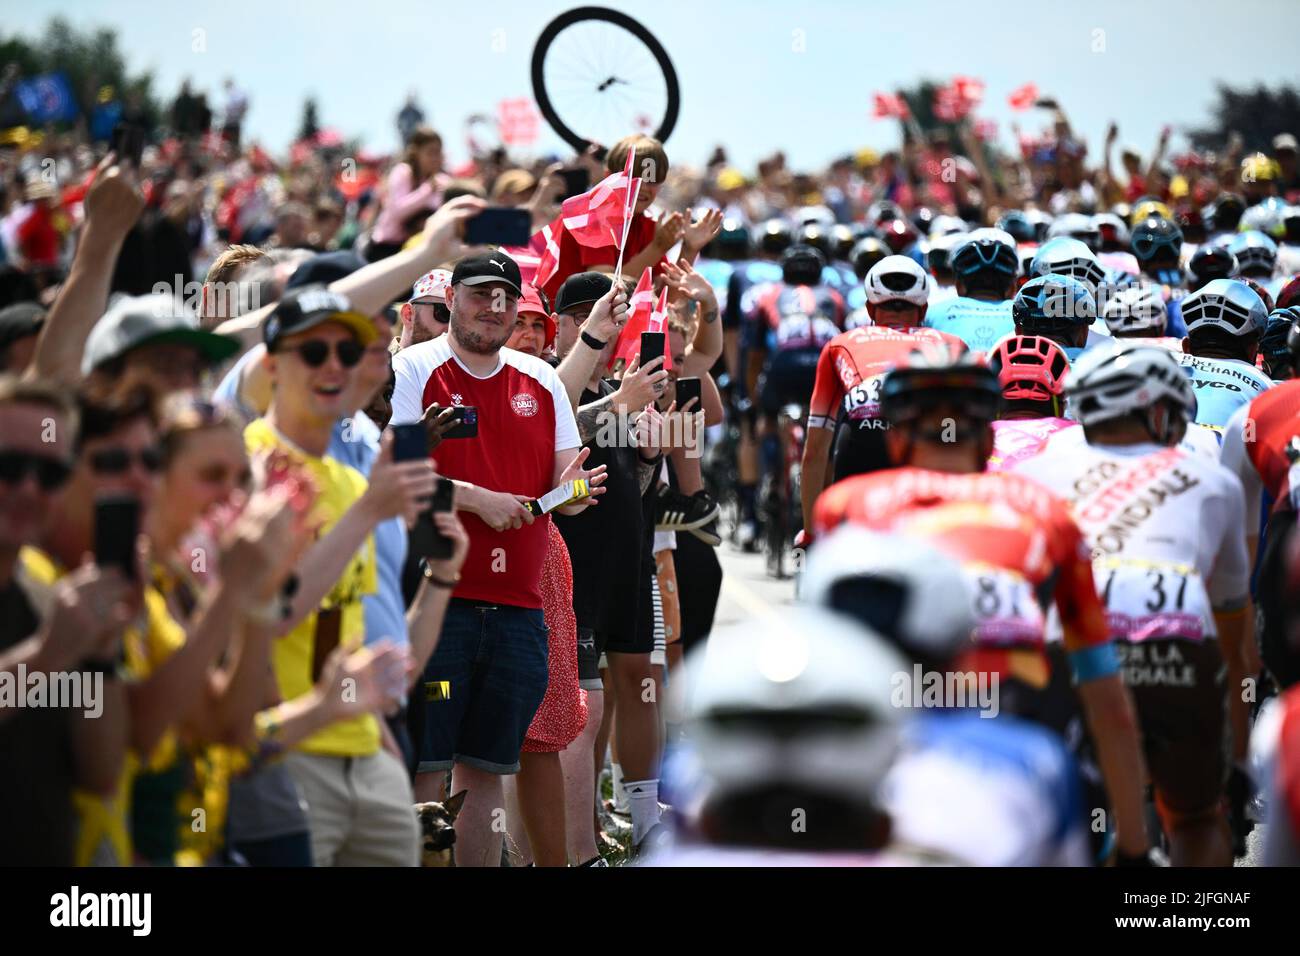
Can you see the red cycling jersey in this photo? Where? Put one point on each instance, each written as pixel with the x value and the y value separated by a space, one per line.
pixel 853 366
pixel 1015 539
pixel 1276 415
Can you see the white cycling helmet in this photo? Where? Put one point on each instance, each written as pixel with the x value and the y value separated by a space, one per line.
pixel 1064 256
pixel 798 699
pixel 1136 309
pixel 1075 225
pixel 897 277
pixel 1114 224
pixel 903 588
pixel 946 225
pixel 1254 251
pixel 1124 376
pixel 1227 304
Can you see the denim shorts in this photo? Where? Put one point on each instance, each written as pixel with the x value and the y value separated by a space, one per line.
pixel 481 687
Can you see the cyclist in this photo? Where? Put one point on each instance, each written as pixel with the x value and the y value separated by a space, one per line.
pixel 791 323
pixel 1058 308
pixel 938 260
pixel 1274 344
pixel 1075 225
pixel 789 717
pixel 1210 262
pixel 1070 257
pixel 985 265
pixel 844 413
pixel 772 239
pixel 1139 312
pixel 1224 215
pixel 1158 246
pixel 999 792
pixel 1225 318
pixel 1260 448
pixel 1170 562
pixel 1020 549
pixel 1257 259
pixel 1031 373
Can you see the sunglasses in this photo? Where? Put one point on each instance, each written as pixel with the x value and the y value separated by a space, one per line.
pixel 50 473
pixel 316 352
pixel 116 461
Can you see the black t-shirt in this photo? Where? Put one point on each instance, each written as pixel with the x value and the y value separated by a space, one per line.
pixel 606 541
pixel 36 764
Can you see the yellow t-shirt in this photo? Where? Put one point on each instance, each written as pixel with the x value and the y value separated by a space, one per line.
pixel 339 487
pixel 103 838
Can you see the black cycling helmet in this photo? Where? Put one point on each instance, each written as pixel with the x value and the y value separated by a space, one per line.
pixel 775 236
pixel 1281 337
pixel 732 241
pixel 866 254
pixel 1225 212
pixel 922 217
pixel 802 264
pixel 883 211
pixel 1209 263
pixel 1017 225
pixel 842 242
pixel 936 375
pixel 1156 238
pixel 814 235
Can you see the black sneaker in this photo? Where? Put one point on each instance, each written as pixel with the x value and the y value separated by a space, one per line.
pixel 708 534
pixel 675 511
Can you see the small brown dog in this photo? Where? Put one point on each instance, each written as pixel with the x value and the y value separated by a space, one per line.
pixel 438 830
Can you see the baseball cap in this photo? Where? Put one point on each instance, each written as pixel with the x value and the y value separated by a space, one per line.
pixel 532 303
pixel 157 319
pixel 310 306
pixel 488 267
pixel 1285 141
pixel 325 268
pixel 18 321
pixel 431 287
pixel 581 288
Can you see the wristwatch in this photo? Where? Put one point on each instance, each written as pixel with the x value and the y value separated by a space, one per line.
pixel 592 342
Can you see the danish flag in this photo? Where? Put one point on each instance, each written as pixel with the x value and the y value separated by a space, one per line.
pixel 889 104
pixel 646 314
pixel 1023 97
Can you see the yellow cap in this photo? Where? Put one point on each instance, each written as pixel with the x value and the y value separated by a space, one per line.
pixel 866 157
pixel 730 178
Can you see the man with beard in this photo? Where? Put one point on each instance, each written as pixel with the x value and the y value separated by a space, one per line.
pixel 488 675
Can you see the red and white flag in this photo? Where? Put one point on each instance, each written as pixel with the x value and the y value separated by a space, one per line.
pixel 517 122
pixel 986 130
pixel 1023 97
pixel 968 89
pixel 645 314
pixel 889 104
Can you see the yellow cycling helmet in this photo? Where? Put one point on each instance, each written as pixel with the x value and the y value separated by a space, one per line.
pixel 1259 168
pixel 1147 208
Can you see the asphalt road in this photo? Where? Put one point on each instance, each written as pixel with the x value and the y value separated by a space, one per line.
pixel 748 592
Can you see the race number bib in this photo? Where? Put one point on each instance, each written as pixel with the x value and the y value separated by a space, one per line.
pixel 863 399
pixel 1148 600
pixel 1006 609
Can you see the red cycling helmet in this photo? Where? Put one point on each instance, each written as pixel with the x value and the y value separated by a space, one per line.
pixel 1030 367
pixel 898 234
pixel 1290 294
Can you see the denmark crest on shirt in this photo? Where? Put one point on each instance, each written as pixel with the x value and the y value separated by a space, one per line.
pixel 524 404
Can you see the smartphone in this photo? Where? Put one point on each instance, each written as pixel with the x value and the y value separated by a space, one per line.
pixel 117 525
pixel 688 388
pixel 467 418
pixel 652 346
pixel 410 443
pixel 426 540
pixel 499 226
pixel 576 181
pixel 128 143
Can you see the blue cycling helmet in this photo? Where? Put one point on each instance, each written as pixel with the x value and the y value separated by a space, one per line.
pixel 1155 235
pixel 1275 343
pixel 1052 304
pixel 1064 256
pixel 984 249
pixel 1256 254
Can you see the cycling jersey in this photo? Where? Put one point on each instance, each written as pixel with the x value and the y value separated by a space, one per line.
pixel 852 368
pixel 1261 463
pixel 793 317
pixel 1018 545
pixel 856 298
pixel 1222 386
pixel 977 323
pixel 717 273
pixel 989 792
pixel 744 277
pixel 1017 439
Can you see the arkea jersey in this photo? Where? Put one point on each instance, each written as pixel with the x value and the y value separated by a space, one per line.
pixel 1261 463
pixel 1166 529
pixel 852 368
pixel 524 418
pixel 1015 540
pixel 1222 386
pixel 977 323
pixel 794 317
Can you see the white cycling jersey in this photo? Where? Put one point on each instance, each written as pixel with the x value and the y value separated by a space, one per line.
pixel 1167 529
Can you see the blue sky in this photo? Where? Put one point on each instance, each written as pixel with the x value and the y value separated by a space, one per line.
pixel 745 81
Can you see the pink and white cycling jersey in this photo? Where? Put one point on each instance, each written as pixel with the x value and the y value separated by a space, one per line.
pixel 1014 440
pixel 1167 529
